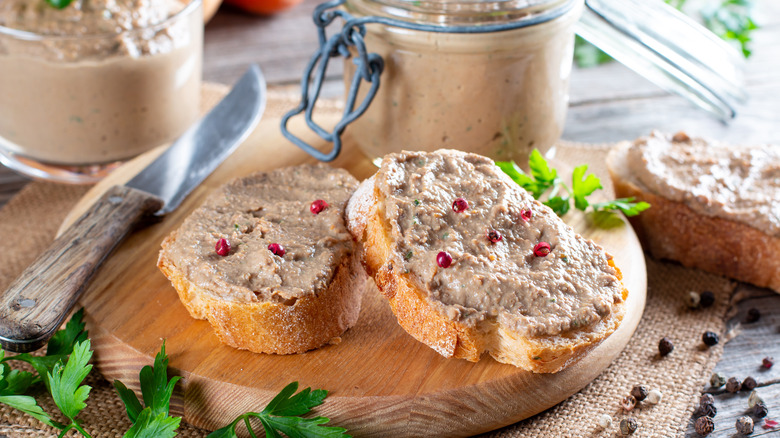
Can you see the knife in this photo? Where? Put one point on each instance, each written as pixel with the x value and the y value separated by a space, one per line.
pixel 36 303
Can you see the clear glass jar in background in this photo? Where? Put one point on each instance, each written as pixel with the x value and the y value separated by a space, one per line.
pixel 499 94
pixel 74 105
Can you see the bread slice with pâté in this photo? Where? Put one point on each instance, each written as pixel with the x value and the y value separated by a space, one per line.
pixel 715 207
pixel 268 261
pixel 471 263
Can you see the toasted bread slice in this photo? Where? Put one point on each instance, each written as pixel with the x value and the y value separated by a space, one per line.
pixel 403 218
pixel 695 229
pixel 264 301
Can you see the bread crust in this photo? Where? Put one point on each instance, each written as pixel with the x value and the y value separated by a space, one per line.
pixel 267 327
pixel 672 230
pixel 425 321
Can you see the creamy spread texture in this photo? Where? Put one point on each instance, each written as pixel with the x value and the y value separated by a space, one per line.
pixel 740 183
pixel 100 80
pixel 498 94
pixel 258 210
pixel 572 287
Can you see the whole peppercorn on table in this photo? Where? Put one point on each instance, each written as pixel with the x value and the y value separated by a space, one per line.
pixel 608 104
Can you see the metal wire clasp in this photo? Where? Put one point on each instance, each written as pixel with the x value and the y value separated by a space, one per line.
pixel 370 65
pixel 369 68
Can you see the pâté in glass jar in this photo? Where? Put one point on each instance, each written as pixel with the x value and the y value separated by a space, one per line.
pixel 489 77
pixel 95 82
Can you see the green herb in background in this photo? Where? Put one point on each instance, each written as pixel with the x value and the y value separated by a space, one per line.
pixel 545 185
pixel 66 365
pixel 729 19
pixel 732 21
pixel 283 415
pixel 59 4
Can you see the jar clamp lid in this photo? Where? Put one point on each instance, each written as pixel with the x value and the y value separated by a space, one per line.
pixel 650 37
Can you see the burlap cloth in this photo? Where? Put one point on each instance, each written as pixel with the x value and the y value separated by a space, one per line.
pixel 29 221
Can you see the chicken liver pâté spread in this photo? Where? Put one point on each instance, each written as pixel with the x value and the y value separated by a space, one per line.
pixel 99 80
pixel 254 212
pixel 739 183
pixel 571 287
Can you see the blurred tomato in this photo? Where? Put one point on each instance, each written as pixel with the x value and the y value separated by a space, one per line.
pixel 263 6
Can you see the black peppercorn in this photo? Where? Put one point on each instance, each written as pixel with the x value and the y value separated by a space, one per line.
pixel 749 384
pixel 744 425
pixel 639 392
pixel 706 410
pixel 733 385
pixel 753 315
pixel 760 410
pixel 665 346
pixel 628 426
pixel 717 380
pixel 704 426
pixel 707 299
pixel 706 399
pixel 710 338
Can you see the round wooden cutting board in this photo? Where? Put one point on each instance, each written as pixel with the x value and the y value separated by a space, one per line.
pixel 381 381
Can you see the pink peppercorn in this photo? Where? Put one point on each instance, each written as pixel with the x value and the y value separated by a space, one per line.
pixel 542 249
pixel 276 249
pixel 444 259
pixel 317 206
pixel 460 205
pixel 527 214
pixel 767 362
pixel 222 247
pixel 494 236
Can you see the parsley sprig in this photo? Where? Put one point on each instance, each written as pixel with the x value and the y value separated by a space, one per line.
pixel 283 415
pixel 545 185
pixel 154 419
pixel 66 364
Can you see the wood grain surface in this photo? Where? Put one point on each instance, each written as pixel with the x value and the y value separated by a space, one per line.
pixel 381 380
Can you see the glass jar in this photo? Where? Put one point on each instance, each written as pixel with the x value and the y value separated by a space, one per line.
pixel 85 87
pixel 499 93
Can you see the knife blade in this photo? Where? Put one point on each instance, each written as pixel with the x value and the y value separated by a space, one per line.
pixel 36 303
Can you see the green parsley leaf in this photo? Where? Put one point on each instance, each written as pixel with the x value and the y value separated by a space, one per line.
pixel 283 415
pixel 59 4
pixel 29 406
pixel 285 405
pixel 13 385
pixel 558 199
pixel 65 381
pixel 132 405
pixel 540 170
pixel 156 390
pixel 583 187
pixel 147 425
pixel 558 204
pixel 155 387
pixel 625 205
pixel 63 341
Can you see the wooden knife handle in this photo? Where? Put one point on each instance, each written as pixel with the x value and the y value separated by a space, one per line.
pixel 36 303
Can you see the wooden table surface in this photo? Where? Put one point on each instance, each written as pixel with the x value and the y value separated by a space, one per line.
pixel 608 103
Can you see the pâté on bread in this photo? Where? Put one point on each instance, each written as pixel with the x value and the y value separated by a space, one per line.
pixel 471 263
pixel 716 207
pixel 286 278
